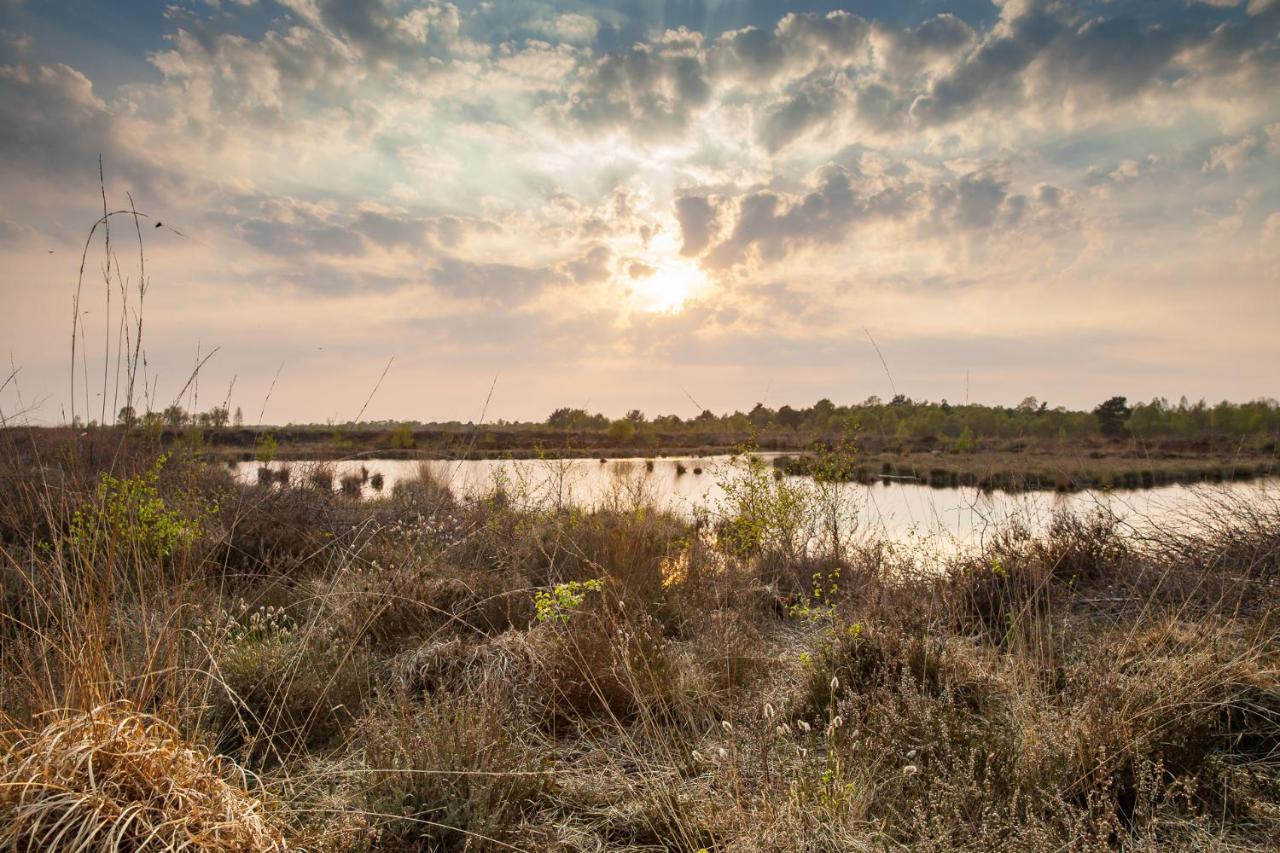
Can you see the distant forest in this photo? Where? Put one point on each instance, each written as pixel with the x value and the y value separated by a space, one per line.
pixel 898 419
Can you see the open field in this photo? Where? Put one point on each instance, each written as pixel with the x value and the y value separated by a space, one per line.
pixel 255 668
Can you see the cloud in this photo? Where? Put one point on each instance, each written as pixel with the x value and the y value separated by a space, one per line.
pixel 51 119
pixel 812 105
pixel 570 27
pixel 593 267
pixel 699 223
pixel 1041 53
pixel 650 90
pixel 1231 156
pixel 799 42
pixel 507 284
pixel 771 224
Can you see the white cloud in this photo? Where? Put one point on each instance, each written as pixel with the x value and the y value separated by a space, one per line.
pixel 1231 156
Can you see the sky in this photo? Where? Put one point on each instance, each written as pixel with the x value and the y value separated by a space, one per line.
pixel 628 204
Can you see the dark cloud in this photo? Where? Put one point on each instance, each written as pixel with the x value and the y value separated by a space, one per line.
pixel 909 50
pixel 289 227
pixel 972 203
pixel 501 283
pixel 390 230
pixel 52 122
pixel 593 267
pixel 699 223
pixel 774 225
pixel 798 42
pixel 653 90
pixel 1048 53
pixel 812 105
pixel 294 238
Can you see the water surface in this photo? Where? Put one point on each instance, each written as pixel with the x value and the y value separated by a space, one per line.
pixel 910 513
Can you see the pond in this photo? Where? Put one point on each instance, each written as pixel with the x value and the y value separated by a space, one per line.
pixel 900 511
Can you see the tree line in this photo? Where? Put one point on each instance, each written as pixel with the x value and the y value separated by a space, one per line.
pixel 900 418
pixel 905 419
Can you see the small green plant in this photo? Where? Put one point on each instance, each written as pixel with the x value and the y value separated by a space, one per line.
pixel 129 512
pixel 557 604
pixel 819 605
pixel 265 448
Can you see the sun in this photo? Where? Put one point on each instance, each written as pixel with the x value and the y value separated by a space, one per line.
pixel 670 285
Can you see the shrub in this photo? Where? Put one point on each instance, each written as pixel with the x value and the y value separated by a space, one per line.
pixel 129 515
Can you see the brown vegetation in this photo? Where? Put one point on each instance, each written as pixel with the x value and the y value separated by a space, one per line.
pixel 185 659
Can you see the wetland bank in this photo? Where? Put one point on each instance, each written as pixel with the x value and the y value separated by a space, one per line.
pixel 445 665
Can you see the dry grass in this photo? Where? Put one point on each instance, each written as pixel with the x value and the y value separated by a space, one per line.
pixel 384 669
pixel 111 779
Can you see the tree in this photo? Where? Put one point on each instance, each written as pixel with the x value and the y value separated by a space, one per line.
pixel 789 417
pixel 622 430
pixel 1112 416
pixel 239 418
pixel 174 416
pixel 566 418
pixel 636 416
pixel 127 418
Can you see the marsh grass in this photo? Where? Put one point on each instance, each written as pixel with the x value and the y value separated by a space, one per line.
pixel 341 674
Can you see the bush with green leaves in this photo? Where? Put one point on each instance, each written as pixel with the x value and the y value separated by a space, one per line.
pixel 127 514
